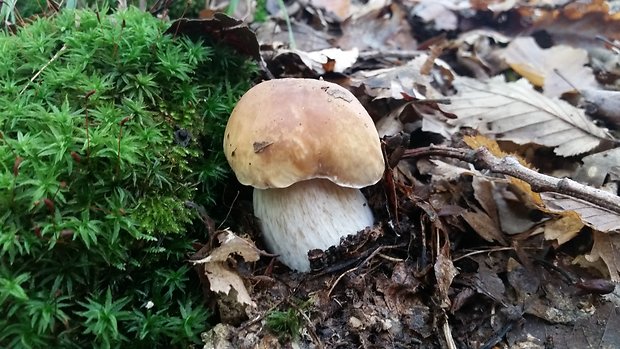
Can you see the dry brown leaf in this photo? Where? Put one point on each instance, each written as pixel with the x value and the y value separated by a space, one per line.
pixel 538 65
pixel 384 28
pixel 563 229
pixel 594 216
pixel 579 23
pixel 483 225
pixel 516 112
pixel 221 277
pixel 607 248
pixel 483 192
pixel 445 271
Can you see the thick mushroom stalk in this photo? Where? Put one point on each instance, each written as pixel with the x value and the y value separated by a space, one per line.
pixel 310 214
pixel 306 146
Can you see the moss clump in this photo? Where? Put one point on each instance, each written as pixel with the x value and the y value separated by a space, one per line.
pixel 108 127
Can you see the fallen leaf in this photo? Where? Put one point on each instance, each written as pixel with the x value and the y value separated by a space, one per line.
pixel 603 104
pixel 444 273
pixel 219 28
pixel 523 188
pixel 441 14
pixel 578 23
pixel 483 225
pixel 539 65
pixel 607 248
pixel 405 80
pixel 340 8
pixel 493 5
pixel 564 228
pixel 597 167
pixel 516 112
pixel 221 277
pixel 592 215
pixel 341 59
pixel 384 28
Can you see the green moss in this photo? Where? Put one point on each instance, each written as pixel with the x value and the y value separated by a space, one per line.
pixel 108 127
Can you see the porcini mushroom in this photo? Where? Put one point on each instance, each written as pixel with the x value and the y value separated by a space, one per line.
pixel 307 147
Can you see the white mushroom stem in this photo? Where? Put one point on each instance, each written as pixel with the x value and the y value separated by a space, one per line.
pixel 311 214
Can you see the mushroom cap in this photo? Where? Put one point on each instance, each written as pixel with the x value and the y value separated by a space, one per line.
pixel 289 130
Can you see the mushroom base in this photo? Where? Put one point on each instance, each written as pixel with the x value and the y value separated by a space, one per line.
pixel 311 214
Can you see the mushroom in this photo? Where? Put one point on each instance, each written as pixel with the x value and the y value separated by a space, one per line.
pixel 307 147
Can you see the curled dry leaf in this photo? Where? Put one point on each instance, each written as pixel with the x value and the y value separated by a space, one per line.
pixel 607 248
pixel 516 112
pixel 221 277
pixel 539 65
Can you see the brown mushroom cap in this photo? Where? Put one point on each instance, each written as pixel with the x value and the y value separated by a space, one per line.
pixel 289 130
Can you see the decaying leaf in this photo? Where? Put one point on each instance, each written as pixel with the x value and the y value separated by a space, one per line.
pixel 378 29
pixel 607 248
pixel 516 112
pixel 539 65
pixel 597 167
pixel 334 59
pixel 221 277
pixel 483 225
pixel 578 23
pixel 594 216
pixel 340 8
pixel 444 273
pixel 398 82
pixel 563 229
pixel 603 104
pixel 440 13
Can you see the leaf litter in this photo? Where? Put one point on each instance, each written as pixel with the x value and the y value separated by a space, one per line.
pixel 485 108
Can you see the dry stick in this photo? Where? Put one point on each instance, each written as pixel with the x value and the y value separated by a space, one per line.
pixel 402 54
pixel 371 256
pixel 309 325
pixel 55 57
pixel 482 158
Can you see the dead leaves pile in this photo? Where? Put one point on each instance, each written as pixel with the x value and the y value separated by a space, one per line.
pixel 535 83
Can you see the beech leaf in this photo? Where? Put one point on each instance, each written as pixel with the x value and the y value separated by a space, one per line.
pixel 223 278
pixel 592 215
pixel 516 112
pixel 607 248
pixel 539 65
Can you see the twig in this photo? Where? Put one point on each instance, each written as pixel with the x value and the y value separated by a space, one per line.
pixel 473 253
pixel 309 325
pixel 371 256
pixel 55 57
pixel 390 258
pixel 402 54
pixel 482 158
pixel 447 332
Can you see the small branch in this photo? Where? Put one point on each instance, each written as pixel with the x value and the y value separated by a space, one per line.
pixel 483 159
pixel 55 57
pixel 401 54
